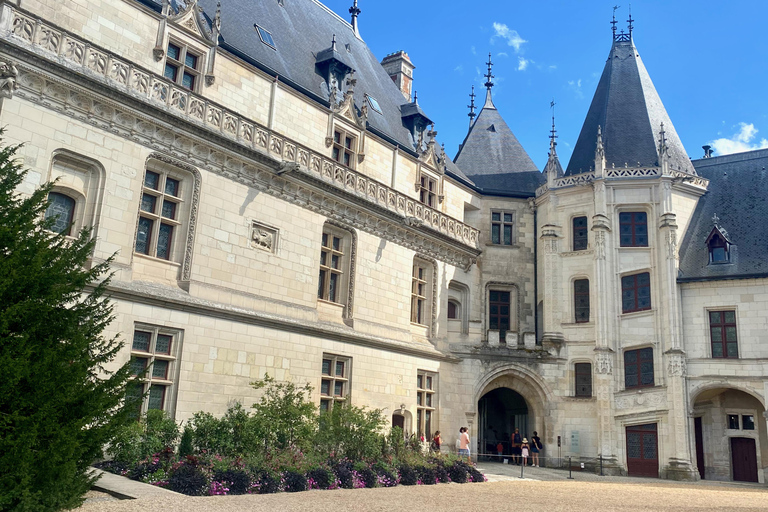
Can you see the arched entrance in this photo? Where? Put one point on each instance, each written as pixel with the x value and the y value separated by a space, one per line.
pixel 730 438
pixel 500 412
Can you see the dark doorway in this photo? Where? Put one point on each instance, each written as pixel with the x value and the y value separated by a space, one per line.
pixel 643 450
pixel 698 433
pixel 398 420
pixel 744 459
pixel 500 412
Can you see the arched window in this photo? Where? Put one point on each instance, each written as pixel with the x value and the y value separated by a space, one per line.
pixel 453 310
pixel 61 208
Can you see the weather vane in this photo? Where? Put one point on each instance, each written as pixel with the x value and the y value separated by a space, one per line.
pixel 553 132
pixel 613 21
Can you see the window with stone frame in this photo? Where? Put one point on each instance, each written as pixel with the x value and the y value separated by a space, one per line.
pixel 61 209
pixel 580 233
pixel 428 190
pixel 344 147
pixel 633 229
pixel 454 309
pixel 638 368
pixel 334 381
pixel 154 359
pixel 722 332
pixel 426 402
pixel 499 312
pixel 160 214
pixel 421 292
pixel 334 265
pixel 583 379
pixel 183 65
pixel 636 292
pixel 581 300
pixel 502 224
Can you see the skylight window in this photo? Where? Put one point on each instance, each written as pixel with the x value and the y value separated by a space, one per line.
pixel 374 104
pixel 265 37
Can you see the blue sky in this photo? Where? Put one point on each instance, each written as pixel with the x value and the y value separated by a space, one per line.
pixel 708 60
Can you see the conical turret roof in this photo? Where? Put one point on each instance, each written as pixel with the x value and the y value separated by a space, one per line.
pixel 629 111
pixel 493 158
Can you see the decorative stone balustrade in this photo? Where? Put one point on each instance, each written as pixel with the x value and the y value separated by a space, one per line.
pixel 120 74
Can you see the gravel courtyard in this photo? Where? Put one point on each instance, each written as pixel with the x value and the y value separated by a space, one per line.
pixel 503 494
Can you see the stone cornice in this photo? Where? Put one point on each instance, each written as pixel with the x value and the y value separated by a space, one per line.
pixel 61 72
pixel 694 183
pixel 164 297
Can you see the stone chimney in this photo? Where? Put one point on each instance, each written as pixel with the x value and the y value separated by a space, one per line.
pixel 707 151
pixel 400 70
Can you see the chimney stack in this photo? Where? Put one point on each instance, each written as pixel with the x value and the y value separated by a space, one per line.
pixel 707 151
pixel 400 69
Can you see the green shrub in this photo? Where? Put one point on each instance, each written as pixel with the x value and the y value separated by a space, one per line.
pixel 140 440
pixel 185 445
pixel 396 442
pixel 190 480
pixel 284 416
pixel 350 431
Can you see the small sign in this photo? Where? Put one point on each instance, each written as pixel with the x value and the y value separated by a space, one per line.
pixel 506 461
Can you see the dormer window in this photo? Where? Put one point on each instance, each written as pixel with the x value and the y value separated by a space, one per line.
pixel 719 246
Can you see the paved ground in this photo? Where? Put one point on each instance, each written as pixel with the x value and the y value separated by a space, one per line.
pixel 542 489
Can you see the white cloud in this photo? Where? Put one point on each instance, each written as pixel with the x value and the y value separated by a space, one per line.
pixel 502 54
pixel 513 38
pixel 472 49
pixel 739 142
pixel 522 64
pixel 459 69
pixel 575 86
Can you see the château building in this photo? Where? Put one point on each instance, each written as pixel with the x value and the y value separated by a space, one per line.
pixel 277 202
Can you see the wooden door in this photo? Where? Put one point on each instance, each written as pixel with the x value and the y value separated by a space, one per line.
pixel 643 450
pixel 744 459
pixel 398 420
pixel 698 433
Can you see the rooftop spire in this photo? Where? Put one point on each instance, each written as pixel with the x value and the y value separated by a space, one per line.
pixel 355 12
pixel 630 20
pixel 552 132
pixel 472 107
pixel 489 83
pixel 613 21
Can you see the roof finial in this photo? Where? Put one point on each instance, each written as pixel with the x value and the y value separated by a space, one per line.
pixel 355 12
pixel 553 132
pixel 613 21
pixel 489 76
pixel 471 106
pixel 663 148
pixel 416 97
pixel 630 20
pixel 333 43
pixel 600 150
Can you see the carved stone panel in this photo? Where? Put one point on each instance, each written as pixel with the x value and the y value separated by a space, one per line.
pixel 264 237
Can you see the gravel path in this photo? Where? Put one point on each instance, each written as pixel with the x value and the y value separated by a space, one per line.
pixel 485 497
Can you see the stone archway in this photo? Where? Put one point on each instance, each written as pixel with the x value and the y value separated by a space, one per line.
pixel 730 434
pixel 510 397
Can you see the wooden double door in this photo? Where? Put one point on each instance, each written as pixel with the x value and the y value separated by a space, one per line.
pixel 643 450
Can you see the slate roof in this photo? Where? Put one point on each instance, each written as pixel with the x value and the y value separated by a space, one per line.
pixel 493 158
pixel 738 194
pixel 629 111
pixel 302 29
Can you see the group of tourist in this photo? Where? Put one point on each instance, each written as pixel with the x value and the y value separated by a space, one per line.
pixel 521 448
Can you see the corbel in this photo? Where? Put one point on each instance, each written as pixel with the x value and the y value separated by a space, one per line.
pixel 158 52
pixel 215 31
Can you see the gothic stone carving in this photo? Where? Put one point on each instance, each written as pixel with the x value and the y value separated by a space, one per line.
pixel 653 399
pixel 604 363
pixel 8 75
pixel 677 365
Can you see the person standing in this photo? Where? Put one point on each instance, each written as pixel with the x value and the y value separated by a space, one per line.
pixel 436 442
pixel 464 444
pixel 524 451
pixel 517 440
pixel 536 447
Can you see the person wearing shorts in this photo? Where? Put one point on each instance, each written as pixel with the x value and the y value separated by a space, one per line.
pixel 536 447
pixel 464 443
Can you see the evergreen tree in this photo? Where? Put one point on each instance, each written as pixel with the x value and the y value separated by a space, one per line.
pixel 58 405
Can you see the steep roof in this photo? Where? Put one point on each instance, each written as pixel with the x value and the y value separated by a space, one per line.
pixel 738 195
pixel 493 158
pixel 301 30
pixel 629 111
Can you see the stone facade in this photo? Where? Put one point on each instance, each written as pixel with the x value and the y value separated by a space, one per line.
pixel 232 280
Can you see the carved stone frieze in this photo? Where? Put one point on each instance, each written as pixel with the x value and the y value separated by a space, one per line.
pixel 652 399
pixel 245 146
pixel 264 237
